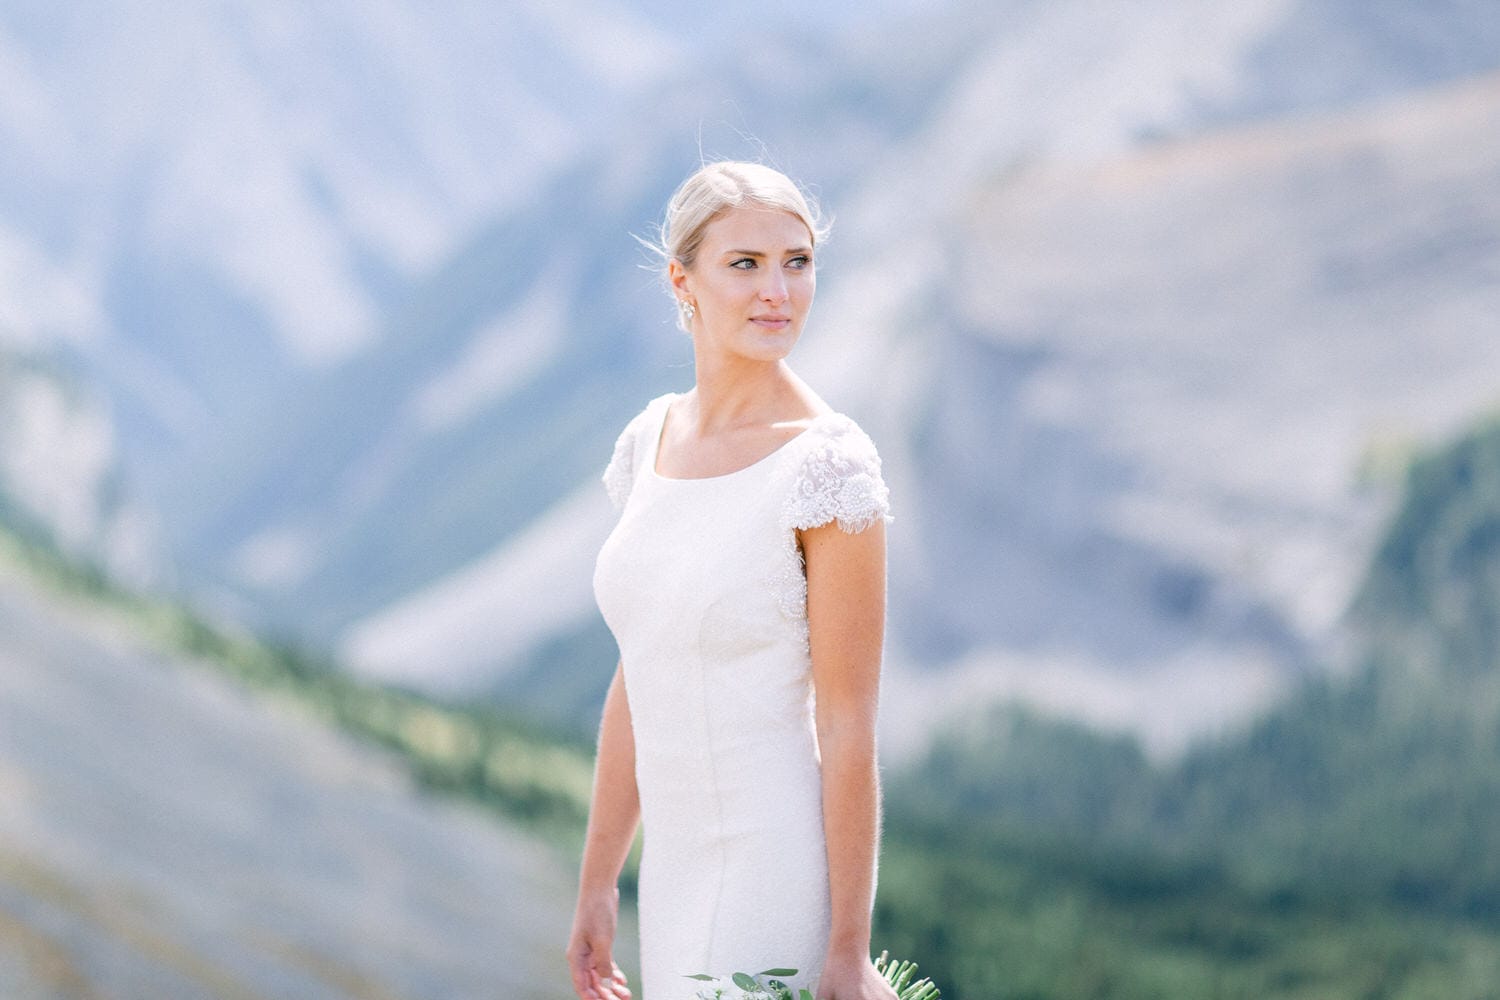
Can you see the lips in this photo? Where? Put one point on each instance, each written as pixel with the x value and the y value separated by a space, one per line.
pixel 772 321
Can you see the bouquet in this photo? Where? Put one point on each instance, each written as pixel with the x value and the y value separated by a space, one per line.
pixel 769 985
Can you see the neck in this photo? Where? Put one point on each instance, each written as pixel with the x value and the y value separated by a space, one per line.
pixel 732 391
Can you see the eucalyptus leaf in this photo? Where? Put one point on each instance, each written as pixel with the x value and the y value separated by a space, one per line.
pixel 779 973
pixel 744 982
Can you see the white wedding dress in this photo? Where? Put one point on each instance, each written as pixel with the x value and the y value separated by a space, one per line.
pixel 702 584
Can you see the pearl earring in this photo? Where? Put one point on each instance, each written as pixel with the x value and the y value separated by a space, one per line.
pixel 687 309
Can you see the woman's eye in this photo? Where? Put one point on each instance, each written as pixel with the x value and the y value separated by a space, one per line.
pixel 744 263
pixel 800 262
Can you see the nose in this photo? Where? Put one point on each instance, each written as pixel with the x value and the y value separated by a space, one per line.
pixel 773 289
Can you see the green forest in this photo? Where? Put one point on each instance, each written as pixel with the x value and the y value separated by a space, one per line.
pixel 1345 846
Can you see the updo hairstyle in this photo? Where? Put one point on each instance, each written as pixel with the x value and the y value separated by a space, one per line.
pixel 714 189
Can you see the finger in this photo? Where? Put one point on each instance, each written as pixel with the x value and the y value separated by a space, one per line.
pixel 585 988
pixel 605 987
pixel 605 967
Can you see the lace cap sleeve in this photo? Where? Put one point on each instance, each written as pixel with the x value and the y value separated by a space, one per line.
pixel 839 480
pixel 619 475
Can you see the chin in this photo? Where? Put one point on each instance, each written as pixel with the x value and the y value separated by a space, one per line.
pixel 771 352
pixel 774 346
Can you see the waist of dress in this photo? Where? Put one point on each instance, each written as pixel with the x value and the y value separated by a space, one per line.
pixel 731 803
pixel 743 769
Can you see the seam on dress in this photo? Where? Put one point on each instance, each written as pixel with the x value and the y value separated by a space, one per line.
pixel 713 772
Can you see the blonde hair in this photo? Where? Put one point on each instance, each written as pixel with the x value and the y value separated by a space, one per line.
pixel 717 187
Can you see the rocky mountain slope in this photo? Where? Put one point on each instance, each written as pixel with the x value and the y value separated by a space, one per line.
pixel 361 293
pixel 164 834
pixel 60 471
pixel 1135 395
pixel 1158 390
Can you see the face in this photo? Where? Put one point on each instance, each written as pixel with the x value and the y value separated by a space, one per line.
pixel 751 284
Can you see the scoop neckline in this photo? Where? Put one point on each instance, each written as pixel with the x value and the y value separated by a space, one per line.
pixel 661 427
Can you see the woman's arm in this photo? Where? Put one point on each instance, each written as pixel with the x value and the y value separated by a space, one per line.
pixel 614 814
pixel 846 623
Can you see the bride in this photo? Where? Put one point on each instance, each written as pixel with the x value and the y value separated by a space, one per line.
pixel 745 586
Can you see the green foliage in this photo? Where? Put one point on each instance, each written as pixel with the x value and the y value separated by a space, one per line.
pixel 1005 917
pixel 1005 766
pixel 769 984
pixel 505 763
pixel 902 975
pixel 1348 845
pixel 766 985
pixel 1432 595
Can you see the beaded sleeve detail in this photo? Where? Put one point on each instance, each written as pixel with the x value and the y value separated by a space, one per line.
pixel 619 475
pixel 839 480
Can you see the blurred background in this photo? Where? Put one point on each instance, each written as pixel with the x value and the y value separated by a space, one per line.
pixel 1175 323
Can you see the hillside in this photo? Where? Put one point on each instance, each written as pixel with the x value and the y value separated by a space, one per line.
pixel 166 832
pixel 1432 598
pixel 290 250
pixel 60 469
pixel 1134 412
pixel 1345 846
pixel 358 301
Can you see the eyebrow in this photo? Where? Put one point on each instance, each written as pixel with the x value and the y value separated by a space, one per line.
pixel 762 253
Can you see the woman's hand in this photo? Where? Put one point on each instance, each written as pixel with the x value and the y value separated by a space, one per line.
pixel 853 977
pixel 595 974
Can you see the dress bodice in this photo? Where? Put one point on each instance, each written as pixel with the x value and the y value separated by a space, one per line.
pixel 828 472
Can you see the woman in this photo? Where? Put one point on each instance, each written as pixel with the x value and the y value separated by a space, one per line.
pixel 745 575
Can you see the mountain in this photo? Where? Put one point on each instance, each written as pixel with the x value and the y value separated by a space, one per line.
pixel 1157 390
pixel 232 199
pixel 361 293
pixel 60 471
pixel 230 216
pixel 1431 601
pixel 1342 845
pixel 1127 349
pixel 165 833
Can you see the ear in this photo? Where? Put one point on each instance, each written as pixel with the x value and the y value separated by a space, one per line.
pixel 677 276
